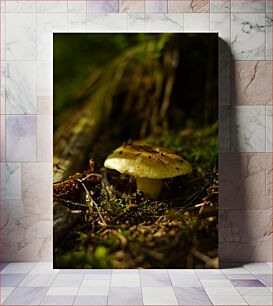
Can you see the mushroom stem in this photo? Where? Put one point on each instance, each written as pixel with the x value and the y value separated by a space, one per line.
pixel 150 187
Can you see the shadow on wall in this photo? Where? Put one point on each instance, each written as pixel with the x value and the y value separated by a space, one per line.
pixel 245 195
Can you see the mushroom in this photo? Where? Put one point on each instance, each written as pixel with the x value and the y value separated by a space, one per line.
pixel 149 165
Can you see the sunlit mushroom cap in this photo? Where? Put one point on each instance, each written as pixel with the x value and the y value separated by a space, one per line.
pixel 147 161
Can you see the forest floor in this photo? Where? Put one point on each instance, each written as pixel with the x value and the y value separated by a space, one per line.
pixel 107 224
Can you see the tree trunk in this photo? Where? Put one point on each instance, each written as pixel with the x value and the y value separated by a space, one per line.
pixel 73 140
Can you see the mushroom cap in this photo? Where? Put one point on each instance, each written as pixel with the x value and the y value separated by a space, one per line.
pixel 147 161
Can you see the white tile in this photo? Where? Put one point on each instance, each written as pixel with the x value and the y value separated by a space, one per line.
pixel 220 6
pixel 249 6
pixel 248 36
pixel 38 280
pixel 67 280
pixel 39 230
pixel 153 6
pixel 159 296
pixel 44 78
pixel 259 300
pixel 26 296
pixel 254 291
pixel 239 270
pixel 189 6
pixel 20 88
pixel 106 272
pixel 240 276
pixel 97 276
pixel 212 291
pixel 269 6
pixel 201 272
pixel 270 264
pixel 37 193
pixel 77 6
pixel 196 22
pixel 12 181
pixel 252 82
pixel 20 36
pixel 5 292
pixel 77 22
pixel 258 268
pixel 44 105
pixel 47 23
pixel 184 279
pixel 216 283
pixel 58 6
pixel 220 23
pixel 268 29
pixel 117 272
pixel 3 87
pixel 103 6
pixel 227 300
pixel 86 291
pixel 30 250
pixel 136 22
pixel 3 6
pixel 20 267
pixel 106 22
pixel 155 280
pixel 44 138
pixel 58 300
pixel 44 267
pixel 21 6
pixel 125 296
pixel 12 233
pixel 160 22
pixel 62 291
pixel 154 272
pixel 248 129
pixel 20 138
pixel 125 280
pixel 74 271
pixel 3 138
pixel 268 128
pixel 129 6
pixel 95 283
pixel 3 36
pixel 182 273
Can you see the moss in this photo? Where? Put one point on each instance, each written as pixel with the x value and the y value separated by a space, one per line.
pixel 139 233
pixel 198 146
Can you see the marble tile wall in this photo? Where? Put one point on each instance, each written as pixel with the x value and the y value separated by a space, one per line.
pixel 245 111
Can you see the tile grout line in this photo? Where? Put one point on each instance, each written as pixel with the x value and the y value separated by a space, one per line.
pixel 78 290
pixel 204 287
pixel 141 287
pixel 107 300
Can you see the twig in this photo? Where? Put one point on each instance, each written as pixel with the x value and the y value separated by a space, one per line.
pixel 198 205
pixel 191 199
pixel 107 186
pixel 91 174
pixel 210 262
pixel 71 185
pixel 92 201
pixel 72 202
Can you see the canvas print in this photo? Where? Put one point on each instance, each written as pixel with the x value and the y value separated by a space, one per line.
pixel 135 150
